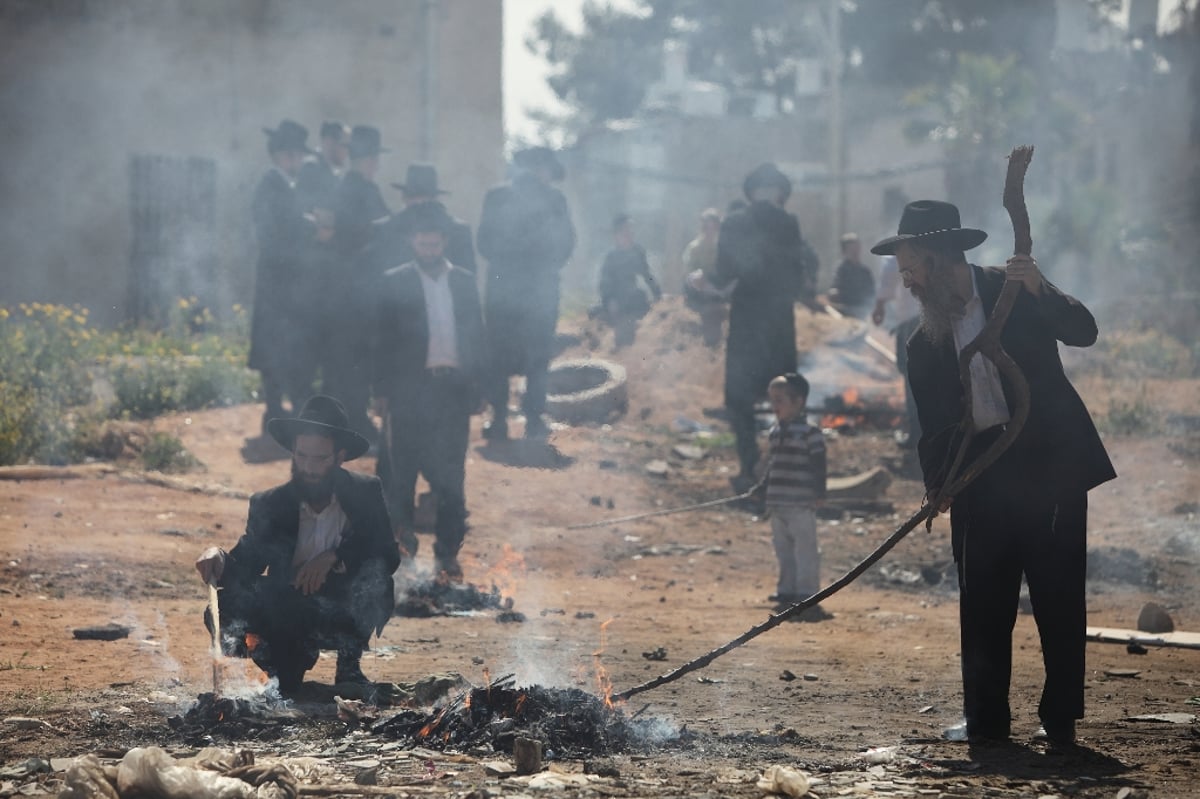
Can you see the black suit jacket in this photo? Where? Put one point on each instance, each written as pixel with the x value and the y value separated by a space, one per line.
pixel 1059 448
pixel 401 343
pixel 274 523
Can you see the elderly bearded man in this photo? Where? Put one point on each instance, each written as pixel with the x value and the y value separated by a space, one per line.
pixel 1027 514
pixel 326 542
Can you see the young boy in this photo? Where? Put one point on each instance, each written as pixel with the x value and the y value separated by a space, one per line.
pixel 794 484
pixel 622 302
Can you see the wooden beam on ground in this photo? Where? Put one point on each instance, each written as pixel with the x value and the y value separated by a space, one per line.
pixel 1116 635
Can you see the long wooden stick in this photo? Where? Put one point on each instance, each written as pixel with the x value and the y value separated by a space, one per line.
pixel 215 607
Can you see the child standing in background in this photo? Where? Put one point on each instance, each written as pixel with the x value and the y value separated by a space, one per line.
pixel 794 484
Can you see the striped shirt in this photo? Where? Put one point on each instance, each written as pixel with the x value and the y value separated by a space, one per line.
pixel 795 464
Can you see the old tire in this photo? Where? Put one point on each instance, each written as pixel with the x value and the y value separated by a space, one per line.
pixel 580 390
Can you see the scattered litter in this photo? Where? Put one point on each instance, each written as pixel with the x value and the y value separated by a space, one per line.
pixel 25 723
pixel 925 709
pixel 783 781
pixel 1122 672
pixel 786 676
pixel 811 677
pixel 34 765
pixel 498 768
pixel 879 754
pixel 657 468
pixel 510 617
pixel 1167 718
pixel 709 681
pixel 659 653
pixel 689 452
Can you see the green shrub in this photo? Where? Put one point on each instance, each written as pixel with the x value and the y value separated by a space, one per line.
pixel 166 453
pixel 1127 419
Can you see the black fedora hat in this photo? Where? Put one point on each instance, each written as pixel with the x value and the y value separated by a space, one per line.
pixel 289 135
pixel 365 141
pixel 767 175
pixel 539 158
pixel 324 416
pixel 420 180
pixel 332 129
pixel 931 220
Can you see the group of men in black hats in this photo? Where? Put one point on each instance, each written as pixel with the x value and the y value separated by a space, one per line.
pixel 386 305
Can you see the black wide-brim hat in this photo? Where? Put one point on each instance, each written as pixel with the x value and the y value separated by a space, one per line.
pixel 321 415
pixel 365 141
pixel 767 175
pixel 290 135
pixel 931 220
pixel 539 157
pixel 421 180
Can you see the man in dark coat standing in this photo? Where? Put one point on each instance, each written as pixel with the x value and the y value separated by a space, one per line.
pixel 317 183
pixel 280 348
pixel 326 544
pixel 358 214
pixel 526 235
pixel 1027 514
pixel 428 356
pixel 760 247
pixel 393 244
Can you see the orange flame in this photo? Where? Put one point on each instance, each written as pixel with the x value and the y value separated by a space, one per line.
pixel 603 681
pixel 507 574
pixel 520 704
pixel 252 642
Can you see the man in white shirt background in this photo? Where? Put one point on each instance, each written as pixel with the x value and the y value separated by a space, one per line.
pixel 428 366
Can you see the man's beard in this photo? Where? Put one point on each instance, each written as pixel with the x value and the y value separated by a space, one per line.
pixel 940 306
pixel 317 492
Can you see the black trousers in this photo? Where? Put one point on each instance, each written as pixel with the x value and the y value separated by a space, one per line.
pixel 282 630
pixel 1005 525
pixel 430 430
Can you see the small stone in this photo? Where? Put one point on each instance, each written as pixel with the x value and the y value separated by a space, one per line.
pixel 786 676
pixel 657 468
pixel 1155 619
pixel 811 678
pixel 498 768
pixel 102 632
pixel 689 452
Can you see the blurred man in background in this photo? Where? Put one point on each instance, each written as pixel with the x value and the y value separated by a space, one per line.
pixel 700 274
pixel 853 284
pixel 527 236
pixel 622 301
pixel 420 188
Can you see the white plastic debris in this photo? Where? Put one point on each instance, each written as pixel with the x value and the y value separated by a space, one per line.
pixel 783 781
pixel 879 754
pixel 150 771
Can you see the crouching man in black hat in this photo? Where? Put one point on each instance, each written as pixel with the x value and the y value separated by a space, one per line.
pixel 1027 513
pixel 325 541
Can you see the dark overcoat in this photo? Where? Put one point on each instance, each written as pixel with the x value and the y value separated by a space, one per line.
pixel 1058 446
pixel 527 236
pixel 401 341
pixel 273 526
pixel 393 244
pixel 761 248
pixel 282 276
pixel 317 184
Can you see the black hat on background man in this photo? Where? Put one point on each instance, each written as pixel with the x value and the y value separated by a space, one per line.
pixel 767 175
pixel 428 218
pixel 338 131
pixel 534 158
pixel 289 135
pixel 324 416
pixel 365 141
pixel 931 221
pixel 421 180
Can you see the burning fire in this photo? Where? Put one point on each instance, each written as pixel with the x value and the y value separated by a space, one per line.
pixel 603 681
pixel 508 573
pixel 852 409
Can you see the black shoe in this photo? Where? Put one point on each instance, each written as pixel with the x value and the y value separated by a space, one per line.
pixel 450 567
pixel 1057 733
pixel 975 735
pixel 290 682
pixel 536 429
pixel 496 431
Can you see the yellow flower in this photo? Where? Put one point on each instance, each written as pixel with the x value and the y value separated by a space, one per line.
pixel 3 313
pixel 183 304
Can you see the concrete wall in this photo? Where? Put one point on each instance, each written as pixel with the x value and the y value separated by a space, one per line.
pixel 88 84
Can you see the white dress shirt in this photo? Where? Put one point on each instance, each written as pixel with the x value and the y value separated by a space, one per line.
pixel 988 406
pixel 439 311
pixel 319 532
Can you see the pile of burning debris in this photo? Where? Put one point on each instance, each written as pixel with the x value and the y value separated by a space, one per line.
pixel 568 722
pixel 441 597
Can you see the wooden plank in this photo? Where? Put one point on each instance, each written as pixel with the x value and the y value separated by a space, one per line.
pixel 1116 635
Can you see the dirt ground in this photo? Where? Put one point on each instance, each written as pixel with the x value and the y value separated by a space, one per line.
pixel 883 673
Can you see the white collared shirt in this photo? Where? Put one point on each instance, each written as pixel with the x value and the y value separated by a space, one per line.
pixel 988 406
pixel 439 311
pixel 319 532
